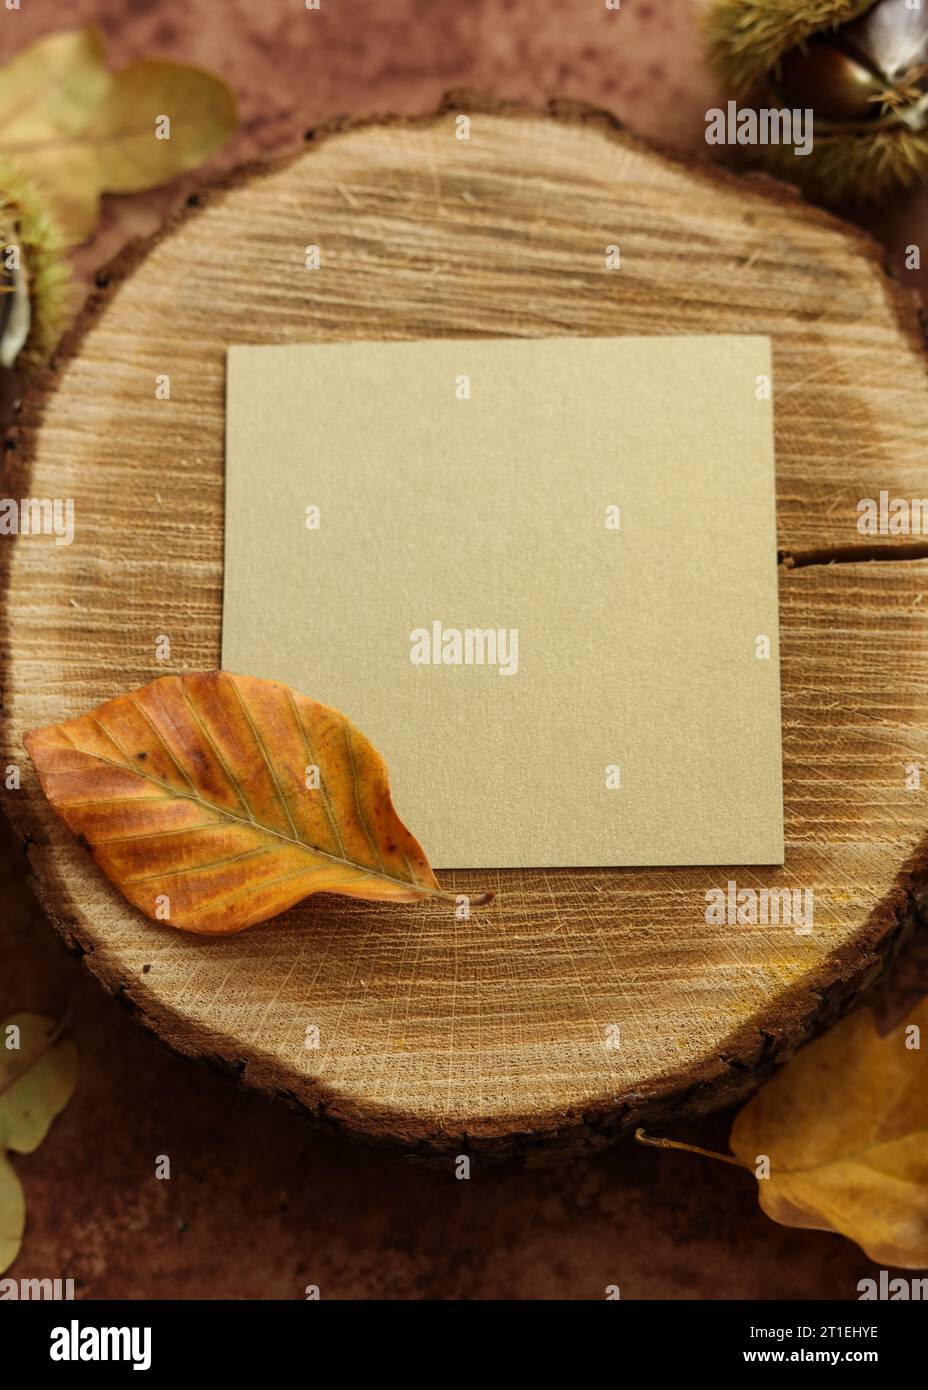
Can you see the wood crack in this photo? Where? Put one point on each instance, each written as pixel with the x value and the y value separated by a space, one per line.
pixel 904 552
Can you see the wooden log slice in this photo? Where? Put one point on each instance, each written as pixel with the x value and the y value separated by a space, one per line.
pixel 492 1033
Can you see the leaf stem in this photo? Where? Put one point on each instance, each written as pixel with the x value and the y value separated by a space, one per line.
pixel 657 1142
pixel 26 1066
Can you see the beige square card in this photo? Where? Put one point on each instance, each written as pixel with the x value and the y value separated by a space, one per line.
pixel 540 575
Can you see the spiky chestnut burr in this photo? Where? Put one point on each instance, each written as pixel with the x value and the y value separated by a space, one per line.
pixel 34 277
pixel 861 66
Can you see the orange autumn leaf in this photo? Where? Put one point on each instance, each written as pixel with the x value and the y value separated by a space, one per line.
pixel 215 801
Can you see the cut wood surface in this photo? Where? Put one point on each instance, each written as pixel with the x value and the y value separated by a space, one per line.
pixel 492 1033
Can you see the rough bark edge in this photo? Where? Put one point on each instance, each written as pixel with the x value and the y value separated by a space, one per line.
pixel 747 1056
pixel 750 1052
pixel 904 301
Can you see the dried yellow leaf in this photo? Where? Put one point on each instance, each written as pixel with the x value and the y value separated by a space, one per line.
pixel 845 1127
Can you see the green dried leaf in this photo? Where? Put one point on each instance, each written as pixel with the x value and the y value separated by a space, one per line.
pixel 46 90
pixel 12 1213
pixel 37 1079
pixel 122 133
pixel 80 130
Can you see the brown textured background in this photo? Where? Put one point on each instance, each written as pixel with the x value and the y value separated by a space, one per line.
pixel 260 1204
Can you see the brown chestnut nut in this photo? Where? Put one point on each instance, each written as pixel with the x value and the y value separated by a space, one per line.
pixel 832 83
pixel 860 66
